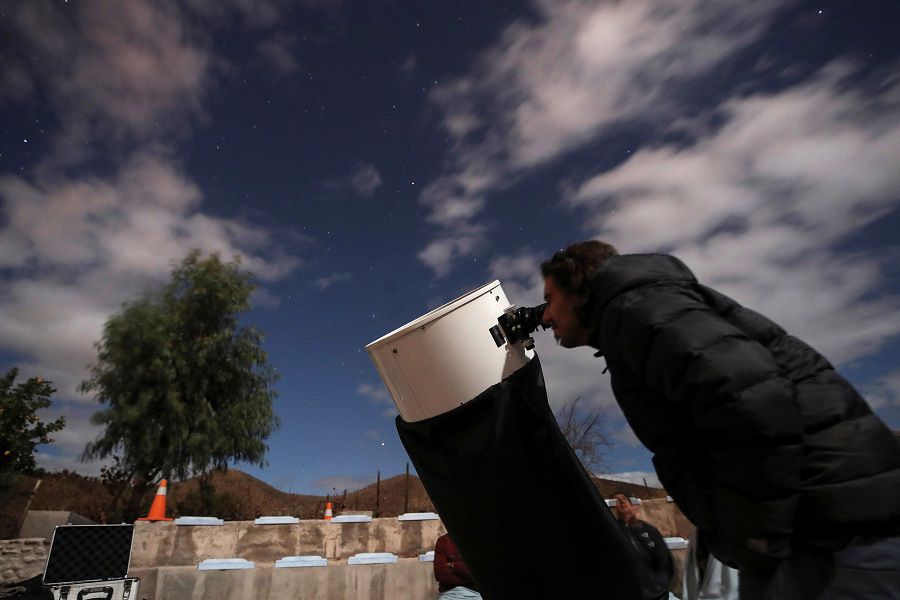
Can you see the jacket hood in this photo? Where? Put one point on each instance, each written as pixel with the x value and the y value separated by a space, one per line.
pixel 626 272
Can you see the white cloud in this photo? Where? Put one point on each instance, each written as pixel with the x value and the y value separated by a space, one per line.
pixel 323 283
pixel 118 73
pixel 625 435
pixel 378 394
pixel 375 392
pixel 251 14
pixel 365 180
pixel 459 242
pixel 520 277
pixel 550 86
pixel 70 462
pixel 84 246
pixel 68 443
pixel 757 206
pixel 884 391
pixel 56 325
pixel 757 196
pixel 588 64
pixel 376 435
pixel 408 67
pixel 278 52
pixel 128 80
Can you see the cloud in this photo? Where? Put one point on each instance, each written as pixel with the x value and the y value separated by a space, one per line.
pixel 76 249
pixel 587 65
pixel 758 207
pixel 323 5
pixel 555 83
pixel 374 392
pixel 763 202
pixel 69 442
pixel 760 194
pixel 365 180
pixel 53 312
pixel 376 435
pixel 626 435
pixel 250 14
pixel 127 81
pixel 114 74
pixel 278 52
pixel 378 394
pixel 460 242
pixel 323 283
pixel 408 67
pixel 58 462
pixel 520 276
pixel 884 391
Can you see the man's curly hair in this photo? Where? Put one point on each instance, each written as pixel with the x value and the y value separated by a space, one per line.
pixel 573 269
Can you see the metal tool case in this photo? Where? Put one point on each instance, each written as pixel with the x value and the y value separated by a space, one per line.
pixel 119 589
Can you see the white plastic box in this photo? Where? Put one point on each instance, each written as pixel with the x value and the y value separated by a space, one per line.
pixel 447 356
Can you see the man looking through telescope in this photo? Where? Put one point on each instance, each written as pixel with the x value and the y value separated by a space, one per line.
pixel 778 461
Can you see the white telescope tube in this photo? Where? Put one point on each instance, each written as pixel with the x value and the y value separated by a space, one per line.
pixel 447 357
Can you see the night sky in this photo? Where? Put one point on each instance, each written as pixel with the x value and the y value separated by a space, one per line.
pixel 370 161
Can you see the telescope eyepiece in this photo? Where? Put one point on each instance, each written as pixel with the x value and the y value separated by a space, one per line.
pixel 517 325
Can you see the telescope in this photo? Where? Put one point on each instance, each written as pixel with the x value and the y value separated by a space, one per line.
pixel 475 421
pixel 445 358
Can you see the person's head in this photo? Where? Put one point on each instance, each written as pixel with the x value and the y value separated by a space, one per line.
pixel 624 509
pixel 568 277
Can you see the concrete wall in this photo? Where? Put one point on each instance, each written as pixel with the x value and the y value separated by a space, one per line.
pixel 408 579
pixel 165 544
pixel 22 559
pixel 165 557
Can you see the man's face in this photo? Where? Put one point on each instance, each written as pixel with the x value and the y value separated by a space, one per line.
pixel 560 312
pixel 624 509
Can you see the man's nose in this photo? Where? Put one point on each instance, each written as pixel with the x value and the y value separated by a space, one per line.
pixel 545 316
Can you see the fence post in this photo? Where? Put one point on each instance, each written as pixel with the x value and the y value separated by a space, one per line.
pixel 406 491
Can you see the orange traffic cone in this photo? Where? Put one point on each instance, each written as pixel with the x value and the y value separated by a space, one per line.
pixel 158 508
pixel 328 513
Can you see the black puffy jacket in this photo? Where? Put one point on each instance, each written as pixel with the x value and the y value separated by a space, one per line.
pixel 759 441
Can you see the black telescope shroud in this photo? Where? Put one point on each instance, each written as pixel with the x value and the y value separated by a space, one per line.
pixel 515 499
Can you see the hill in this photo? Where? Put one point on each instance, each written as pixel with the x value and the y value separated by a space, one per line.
pixel 237 496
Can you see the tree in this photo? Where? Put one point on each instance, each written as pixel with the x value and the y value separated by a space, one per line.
pixel 186 388
pixel 21 430
pixel 584 429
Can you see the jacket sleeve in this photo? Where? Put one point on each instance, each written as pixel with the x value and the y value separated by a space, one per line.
pixel 662 557
pixel 744 410
pixel 449 568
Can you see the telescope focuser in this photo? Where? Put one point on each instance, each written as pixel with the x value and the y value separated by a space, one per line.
pixel 517 324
